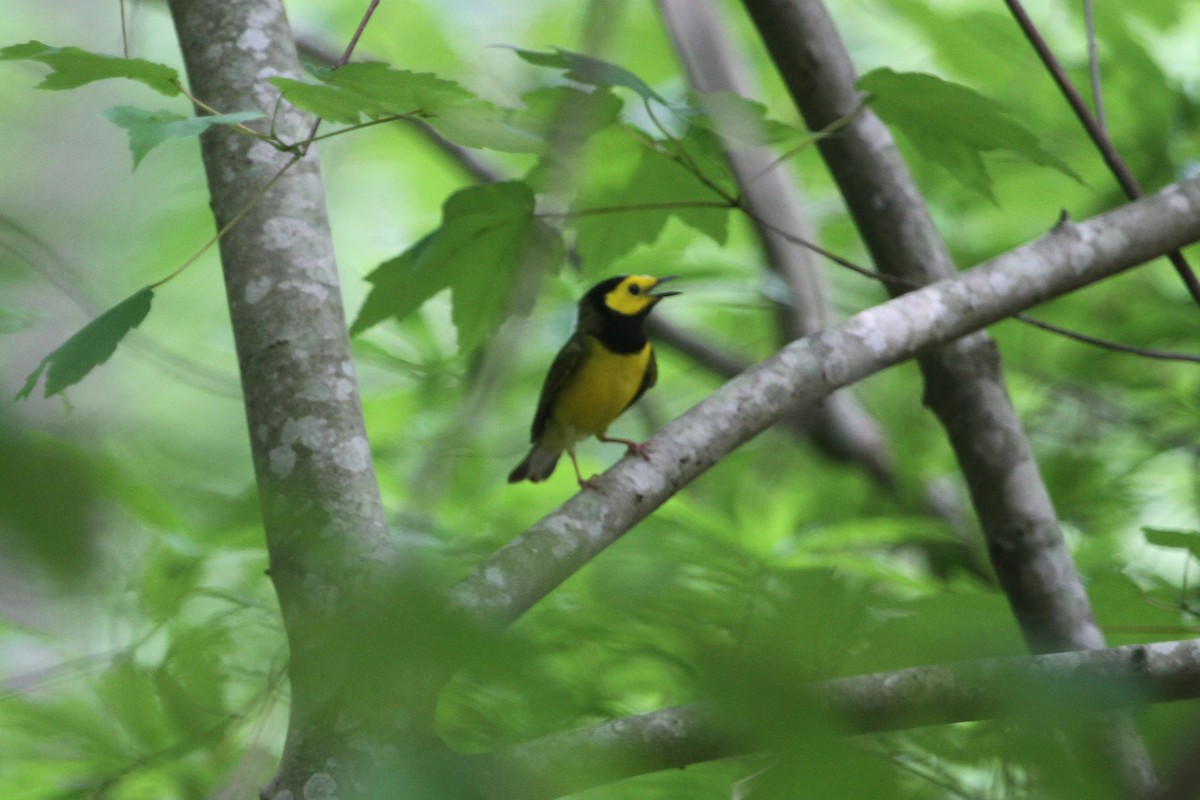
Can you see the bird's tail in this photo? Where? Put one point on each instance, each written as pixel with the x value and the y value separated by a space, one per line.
pixel 537 466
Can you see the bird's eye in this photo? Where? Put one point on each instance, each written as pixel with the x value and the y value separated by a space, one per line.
pixel 635 289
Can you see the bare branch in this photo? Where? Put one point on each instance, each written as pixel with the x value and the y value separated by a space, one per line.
pixel 1120 677
pixel 770 196
pixel 1095 130
pixel 964 384
pixel 808 370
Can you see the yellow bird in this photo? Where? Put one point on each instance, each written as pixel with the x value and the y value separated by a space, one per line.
pixel 603 368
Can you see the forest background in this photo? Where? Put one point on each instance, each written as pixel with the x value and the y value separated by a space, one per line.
pixel 142 649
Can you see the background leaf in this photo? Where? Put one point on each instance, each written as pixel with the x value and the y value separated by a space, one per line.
pixel 73 67
pixel 952 124
pixel 589 69
pixel 1177 540
pixel 655 179
pixel 489 239
pixel 91 346
pixel 148 129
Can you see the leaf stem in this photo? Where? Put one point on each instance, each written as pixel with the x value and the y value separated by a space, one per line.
pixel 238 126
pixel 234 220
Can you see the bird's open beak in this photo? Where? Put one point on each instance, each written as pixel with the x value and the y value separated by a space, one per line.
pixel 659 295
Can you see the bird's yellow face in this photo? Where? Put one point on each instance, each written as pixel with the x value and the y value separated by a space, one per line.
pixel 633 294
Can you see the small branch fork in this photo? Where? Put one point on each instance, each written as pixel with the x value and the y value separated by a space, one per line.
pixel 1095 130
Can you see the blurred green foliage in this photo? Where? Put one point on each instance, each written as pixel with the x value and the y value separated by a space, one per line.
pixel 141 652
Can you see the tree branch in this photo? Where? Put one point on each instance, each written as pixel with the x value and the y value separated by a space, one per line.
pixel 964 384
pixel 808 370
pixel 840 426
pixel 1095 130
pixel 1120 677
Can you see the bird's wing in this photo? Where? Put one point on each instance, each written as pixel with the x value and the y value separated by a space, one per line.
pixel 564 365
pixel 649 378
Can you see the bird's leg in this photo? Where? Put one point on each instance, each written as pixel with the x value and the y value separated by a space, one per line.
pixel 590 483
pixel 632 447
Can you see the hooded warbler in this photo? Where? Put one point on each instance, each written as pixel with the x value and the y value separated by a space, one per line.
pixel 605 366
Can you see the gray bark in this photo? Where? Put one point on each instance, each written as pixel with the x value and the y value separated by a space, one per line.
pixel 941 694
pixel 805 371
pixel 325 528
pixel 964 384
pixel 840 426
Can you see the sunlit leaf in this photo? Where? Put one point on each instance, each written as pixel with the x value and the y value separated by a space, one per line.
pixel 90 347
pixel 488 241
pixel 741 122
pixel 1177 540
pixel 953 125
pixel 614 218
pixel 374 91
pixel 73 67
pixel 148 129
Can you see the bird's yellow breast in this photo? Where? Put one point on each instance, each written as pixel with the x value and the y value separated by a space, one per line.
pixel 601 388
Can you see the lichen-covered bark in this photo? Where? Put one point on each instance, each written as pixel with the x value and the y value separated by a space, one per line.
pixel 323 520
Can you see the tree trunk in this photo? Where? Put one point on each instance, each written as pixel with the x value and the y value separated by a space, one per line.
pixel 325 528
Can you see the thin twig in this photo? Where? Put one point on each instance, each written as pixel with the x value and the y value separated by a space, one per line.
pixel 1089 21
pixel 828 130
pixel 124 32
pixel 349 51
pixel 1111 157
pixel 362 26
pixel 1144 352
pixel 238 126
pixel 234 220
pixel 664 206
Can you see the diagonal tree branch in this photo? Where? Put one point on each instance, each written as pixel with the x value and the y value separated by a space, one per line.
pixel 672 738
pixel 1067 258
pixel 1095 129
pixel 964 384
pixel 840 426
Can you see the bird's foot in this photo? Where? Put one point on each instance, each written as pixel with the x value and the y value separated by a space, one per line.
pixel 632 448
pixel 592 483
pixel 635 449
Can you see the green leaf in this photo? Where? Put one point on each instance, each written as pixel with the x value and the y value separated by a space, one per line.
pixel 324 101
pixel 399 288
pixel 1178 540
pixel 953 125
pixel 615 218
pixel 741 122
pixel 130 696
pixel 48 502
pixel 90 347
pixel 373 90
pixel 72 67
pixel 487 245
pixel 148 129
pixel 191 681
pixel 587 69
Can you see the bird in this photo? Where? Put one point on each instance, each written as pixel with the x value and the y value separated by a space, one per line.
pixel 606 365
